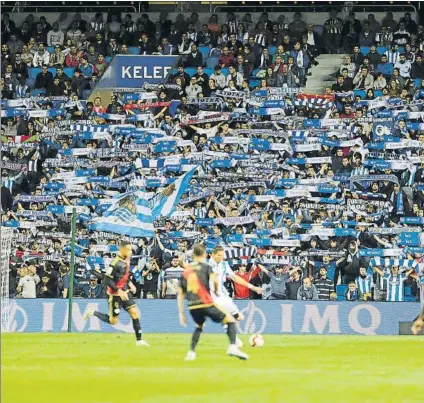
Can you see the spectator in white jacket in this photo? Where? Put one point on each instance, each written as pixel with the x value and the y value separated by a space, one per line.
pixel 193 90
pixel 28 282
pixel 404 66
pixel 55 36
pixel 41 57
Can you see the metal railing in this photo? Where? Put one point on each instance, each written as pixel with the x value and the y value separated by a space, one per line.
pixel 21 6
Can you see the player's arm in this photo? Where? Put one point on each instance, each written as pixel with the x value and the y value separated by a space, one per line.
pixel 241 281
pixel 181 295
pixel 214 279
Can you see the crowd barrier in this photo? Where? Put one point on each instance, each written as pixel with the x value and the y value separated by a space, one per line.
pixel 273 317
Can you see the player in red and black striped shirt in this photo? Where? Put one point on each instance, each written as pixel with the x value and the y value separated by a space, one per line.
pixel 120 292
pixel 195 284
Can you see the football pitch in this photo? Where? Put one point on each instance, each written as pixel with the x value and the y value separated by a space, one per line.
pixel 109 368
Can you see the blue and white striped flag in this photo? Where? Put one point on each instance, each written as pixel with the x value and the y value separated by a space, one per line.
pixel 166 202
pixel 129 215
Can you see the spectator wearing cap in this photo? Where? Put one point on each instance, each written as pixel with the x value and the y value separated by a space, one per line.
pixel 44 79
pixel 41 57
pixel 57 57
pixel 55 36
pixel 404 66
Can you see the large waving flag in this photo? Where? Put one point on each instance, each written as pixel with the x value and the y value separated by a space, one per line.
pixel 130 215
pixel 166 202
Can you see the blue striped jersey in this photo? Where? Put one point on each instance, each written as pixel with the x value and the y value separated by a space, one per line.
pixel 365 284
pixel 394 286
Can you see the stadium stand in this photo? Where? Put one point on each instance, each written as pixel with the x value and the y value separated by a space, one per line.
pixel 286 168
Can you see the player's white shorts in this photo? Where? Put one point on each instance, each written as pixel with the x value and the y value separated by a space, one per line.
pixel 226 303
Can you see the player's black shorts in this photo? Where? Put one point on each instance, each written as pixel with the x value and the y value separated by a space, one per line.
pixel 116 303
pixel 199 315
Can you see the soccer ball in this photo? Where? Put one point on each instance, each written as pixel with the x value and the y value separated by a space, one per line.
pixel 256 340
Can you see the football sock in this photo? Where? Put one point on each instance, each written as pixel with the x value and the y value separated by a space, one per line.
pixel 231 331
pixel 195 338
pixel 102 316
pixel 137 328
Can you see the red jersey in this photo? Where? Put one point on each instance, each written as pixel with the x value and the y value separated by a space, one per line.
pixel 120 274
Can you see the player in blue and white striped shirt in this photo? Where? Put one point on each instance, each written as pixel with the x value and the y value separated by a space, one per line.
pixel 365 283
pixel 395 281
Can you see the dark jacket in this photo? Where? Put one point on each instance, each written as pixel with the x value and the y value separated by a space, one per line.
pixel 6 199
pixel 43 80
pixel 194 60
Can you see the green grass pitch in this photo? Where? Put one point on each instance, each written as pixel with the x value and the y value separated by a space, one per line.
pixel 109 368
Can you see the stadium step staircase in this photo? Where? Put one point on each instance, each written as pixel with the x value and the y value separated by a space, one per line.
pixel 322 74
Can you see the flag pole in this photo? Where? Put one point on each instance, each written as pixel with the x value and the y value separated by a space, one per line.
pixel 72 269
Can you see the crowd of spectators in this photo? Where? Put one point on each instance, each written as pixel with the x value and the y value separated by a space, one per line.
pixel 313 197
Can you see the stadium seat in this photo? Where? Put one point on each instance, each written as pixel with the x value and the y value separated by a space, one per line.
pixel 211 62
pixel 254 83
pixel 417 82
pixel 108 59
pixel 133 50
pixel 407 294
pixel 272 50
pixel 340 290
pixel 381 49
pixel 208 71
pixel 69 71
pixel 378 93
pixel 204 50
pixel 361 93
pixel 365 50
pixel 191 71
pixel 50 49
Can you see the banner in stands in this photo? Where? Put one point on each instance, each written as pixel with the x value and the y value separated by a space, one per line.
pixel 275 317
pixel 132 71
